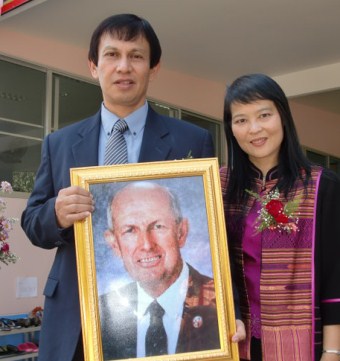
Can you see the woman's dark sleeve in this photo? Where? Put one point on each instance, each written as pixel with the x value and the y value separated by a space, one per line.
pixel 328 246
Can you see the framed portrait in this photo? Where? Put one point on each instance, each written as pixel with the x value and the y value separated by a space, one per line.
pixel 153 266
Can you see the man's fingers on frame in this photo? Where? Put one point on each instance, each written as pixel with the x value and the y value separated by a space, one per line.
pixel 76 208
pixel 77 216
pixel 69 219
pixel 75 199
pixel 74 190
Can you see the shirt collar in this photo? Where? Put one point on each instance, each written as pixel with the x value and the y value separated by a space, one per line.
pixel 271 174
pixel 171 300
pixel 136 120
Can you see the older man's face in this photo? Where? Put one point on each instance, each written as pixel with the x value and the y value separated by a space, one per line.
pixel 148 238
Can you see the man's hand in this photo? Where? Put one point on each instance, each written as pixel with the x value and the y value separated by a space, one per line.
pixel 240 333
pixel 73 204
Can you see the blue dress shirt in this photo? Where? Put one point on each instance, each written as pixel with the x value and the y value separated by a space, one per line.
pixel 133 136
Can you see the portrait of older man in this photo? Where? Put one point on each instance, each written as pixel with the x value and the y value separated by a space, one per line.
pixel 169 307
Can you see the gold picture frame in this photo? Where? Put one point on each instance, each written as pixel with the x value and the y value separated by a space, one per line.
pixel 197 185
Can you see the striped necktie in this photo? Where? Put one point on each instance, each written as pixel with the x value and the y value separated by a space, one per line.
pixel 116 148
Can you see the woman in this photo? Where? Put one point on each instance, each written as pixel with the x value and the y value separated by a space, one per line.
pixel 282 215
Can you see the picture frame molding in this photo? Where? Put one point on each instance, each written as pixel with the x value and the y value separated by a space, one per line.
pixel 206 168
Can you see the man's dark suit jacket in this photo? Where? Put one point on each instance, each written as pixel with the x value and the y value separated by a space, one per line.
pixel 199 326
pixel 77 146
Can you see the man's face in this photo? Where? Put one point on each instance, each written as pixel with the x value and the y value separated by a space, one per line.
pixel 148 238
pixel 123 71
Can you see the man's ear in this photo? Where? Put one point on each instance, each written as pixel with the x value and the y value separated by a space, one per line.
pixel 111 241
pixel 182 232
pixel 93 69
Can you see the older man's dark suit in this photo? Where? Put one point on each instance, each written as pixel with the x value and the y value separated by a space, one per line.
pixel 119 321
pixel 77 146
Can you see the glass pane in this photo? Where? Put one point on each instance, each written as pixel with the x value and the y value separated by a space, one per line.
pixel 334 164
pixel 75 100
pixel 22 93
pixel 22 112
pixel 206 123
pixel 163 109
pixel 317 158
pixel 19 161
pixel 27 130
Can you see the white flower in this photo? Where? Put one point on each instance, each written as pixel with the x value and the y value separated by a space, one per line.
pixel 6 187
pixel 6 256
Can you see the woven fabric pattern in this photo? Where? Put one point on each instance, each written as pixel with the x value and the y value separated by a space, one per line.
pixel 286 279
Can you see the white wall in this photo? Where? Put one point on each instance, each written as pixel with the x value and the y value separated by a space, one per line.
pixel 33 262
pixel 317 129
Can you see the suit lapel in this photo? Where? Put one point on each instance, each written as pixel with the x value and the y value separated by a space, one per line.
pixel 184 342
pixel 85 147
pixel 199 326
pixel 154 147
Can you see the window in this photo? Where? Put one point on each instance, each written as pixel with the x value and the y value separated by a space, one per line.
pixel 35 101
pixel 324 160
pixel 334 164
pixel 213 126
pixel 22 109
pixel 164 109
pixel 30 107
pixel 73 100
pixel 317 158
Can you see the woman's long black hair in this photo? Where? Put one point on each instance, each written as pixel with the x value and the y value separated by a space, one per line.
pixel 293 164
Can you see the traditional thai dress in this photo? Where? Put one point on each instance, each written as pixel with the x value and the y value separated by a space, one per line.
pixel 288 282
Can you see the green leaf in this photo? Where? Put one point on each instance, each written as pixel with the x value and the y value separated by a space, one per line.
pixel 253 194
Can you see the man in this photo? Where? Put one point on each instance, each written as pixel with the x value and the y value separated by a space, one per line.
pixel 124 56
pixel 147 231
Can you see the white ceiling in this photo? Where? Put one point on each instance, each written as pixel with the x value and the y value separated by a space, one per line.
pixel 213 39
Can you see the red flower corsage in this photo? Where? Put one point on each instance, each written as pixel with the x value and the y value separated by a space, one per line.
pixel 274 214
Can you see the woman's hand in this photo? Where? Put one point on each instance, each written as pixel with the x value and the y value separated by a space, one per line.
pixel 331 341
pixel 240 333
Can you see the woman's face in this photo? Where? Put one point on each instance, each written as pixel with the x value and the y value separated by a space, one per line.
pixel 258 129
